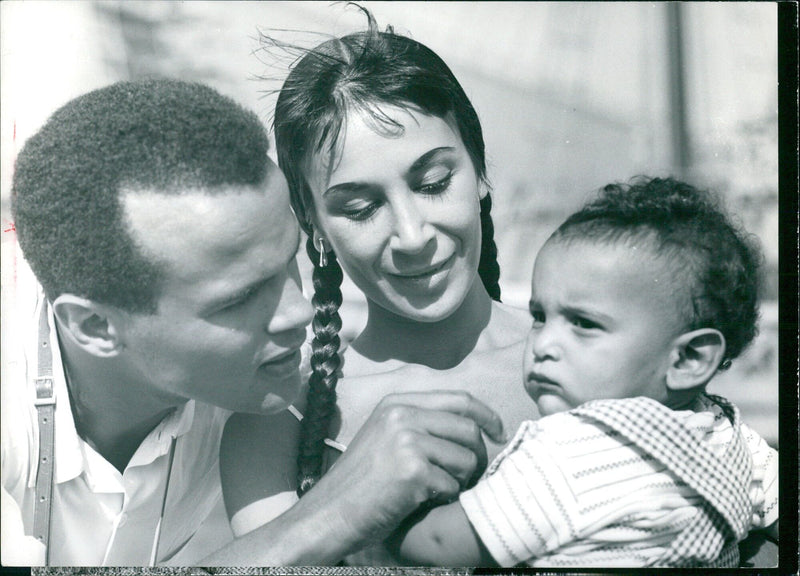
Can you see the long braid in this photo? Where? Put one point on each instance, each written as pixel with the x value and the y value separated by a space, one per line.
pixel 488 268
pixel 325 362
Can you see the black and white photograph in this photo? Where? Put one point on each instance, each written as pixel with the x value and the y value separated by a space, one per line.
pixel 397 287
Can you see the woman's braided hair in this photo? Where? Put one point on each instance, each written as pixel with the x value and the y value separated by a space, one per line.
pixel 325 363
pixel 359 73
pixel 488 268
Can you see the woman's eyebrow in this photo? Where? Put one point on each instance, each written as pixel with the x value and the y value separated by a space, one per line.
pixel 429 157
pixel 419 164
pixel 346 187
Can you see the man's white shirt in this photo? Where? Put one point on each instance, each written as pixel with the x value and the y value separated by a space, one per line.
pixel 99 516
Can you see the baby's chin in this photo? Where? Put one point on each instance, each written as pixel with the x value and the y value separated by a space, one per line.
pixel 549 403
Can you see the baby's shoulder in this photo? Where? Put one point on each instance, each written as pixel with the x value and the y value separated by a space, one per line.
pixel 567 433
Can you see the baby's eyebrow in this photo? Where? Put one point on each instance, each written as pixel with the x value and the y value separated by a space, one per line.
pixel 590 313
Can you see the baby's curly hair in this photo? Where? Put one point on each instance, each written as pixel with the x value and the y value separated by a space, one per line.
pixel 156 134
pixel 716 260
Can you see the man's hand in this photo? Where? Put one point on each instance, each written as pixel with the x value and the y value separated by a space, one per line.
pixel 414 448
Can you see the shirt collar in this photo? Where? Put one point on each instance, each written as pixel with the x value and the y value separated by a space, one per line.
pixel 73 456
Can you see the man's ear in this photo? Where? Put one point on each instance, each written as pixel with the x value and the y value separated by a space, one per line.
pixel 92 326
pixel 695 357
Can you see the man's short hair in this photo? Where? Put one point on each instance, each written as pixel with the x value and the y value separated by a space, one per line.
pixel 158 134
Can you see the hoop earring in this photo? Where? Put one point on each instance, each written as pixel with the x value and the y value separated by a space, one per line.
pixel 323 255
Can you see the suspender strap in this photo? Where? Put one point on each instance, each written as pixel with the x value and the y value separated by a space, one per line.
pixel 45 408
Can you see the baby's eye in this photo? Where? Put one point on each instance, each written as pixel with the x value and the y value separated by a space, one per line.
pixel 584 323
pixel 538 317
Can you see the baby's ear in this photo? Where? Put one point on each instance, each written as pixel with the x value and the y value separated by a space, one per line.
pixel 695 357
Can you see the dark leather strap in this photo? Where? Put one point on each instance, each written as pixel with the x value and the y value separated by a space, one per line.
pixel 45 407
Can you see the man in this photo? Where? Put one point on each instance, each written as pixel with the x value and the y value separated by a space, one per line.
pixel 163 240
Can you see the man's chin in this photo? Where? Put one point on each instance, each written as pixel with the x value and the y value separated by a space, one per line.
pixel 275 403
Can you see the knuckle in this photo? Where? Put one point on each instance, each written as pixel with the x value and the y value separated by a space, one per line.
pixel 414 470
pixel 466 400
pixel 406 439
pixel 464 395
pixel 395 414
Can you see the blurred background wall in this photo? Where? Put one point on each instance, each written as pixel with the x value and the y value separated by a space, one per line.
pixel 572 95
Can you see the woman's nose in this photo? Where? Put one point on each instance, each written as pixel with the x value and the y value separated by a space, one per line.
pixel 412 231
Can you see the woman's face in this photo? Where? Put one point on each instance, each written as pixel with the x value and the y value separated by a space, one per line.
pixel 402 213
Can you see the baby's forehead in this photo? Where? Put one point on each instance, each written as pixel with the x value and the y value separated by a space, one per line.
pixel 641 254
pixel 640 245
pixel 665 273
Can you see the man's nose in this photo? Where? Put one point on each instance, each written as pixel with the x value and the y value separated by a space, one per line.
pixel 293 310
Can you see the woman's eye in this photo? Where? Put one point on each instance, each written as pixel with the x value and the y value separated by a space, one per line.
pixel 437 186
pixel 360 212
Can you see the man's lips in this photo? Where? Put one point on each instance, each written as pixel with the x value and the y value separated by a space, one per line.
pixel 283 364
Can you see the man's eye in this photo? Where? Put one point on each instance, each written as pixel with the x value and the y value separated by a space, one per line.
pixel 235 304
pixel 242 300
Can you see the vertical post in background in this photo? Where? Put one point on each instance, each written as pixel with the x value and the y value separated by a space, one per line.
pixel 681 144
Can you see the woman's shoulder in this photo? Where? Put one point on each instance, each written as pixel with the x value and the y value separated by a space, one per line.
pixel 257 447
pixel 508 324
pixel 251 429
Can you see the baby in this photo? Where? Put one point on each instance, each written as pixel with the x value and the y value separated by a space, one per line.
pixel 637 301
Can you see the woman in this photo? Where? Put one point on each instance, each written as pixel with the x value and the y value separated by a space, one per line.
pixel 384 157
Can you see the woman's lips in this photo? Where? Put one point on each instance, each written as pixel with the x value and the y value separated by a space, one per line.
pixel 423 273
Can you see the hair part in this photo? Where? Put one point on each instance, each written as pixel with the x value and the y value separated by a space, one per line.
pixel 157 134
pixel 714 261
